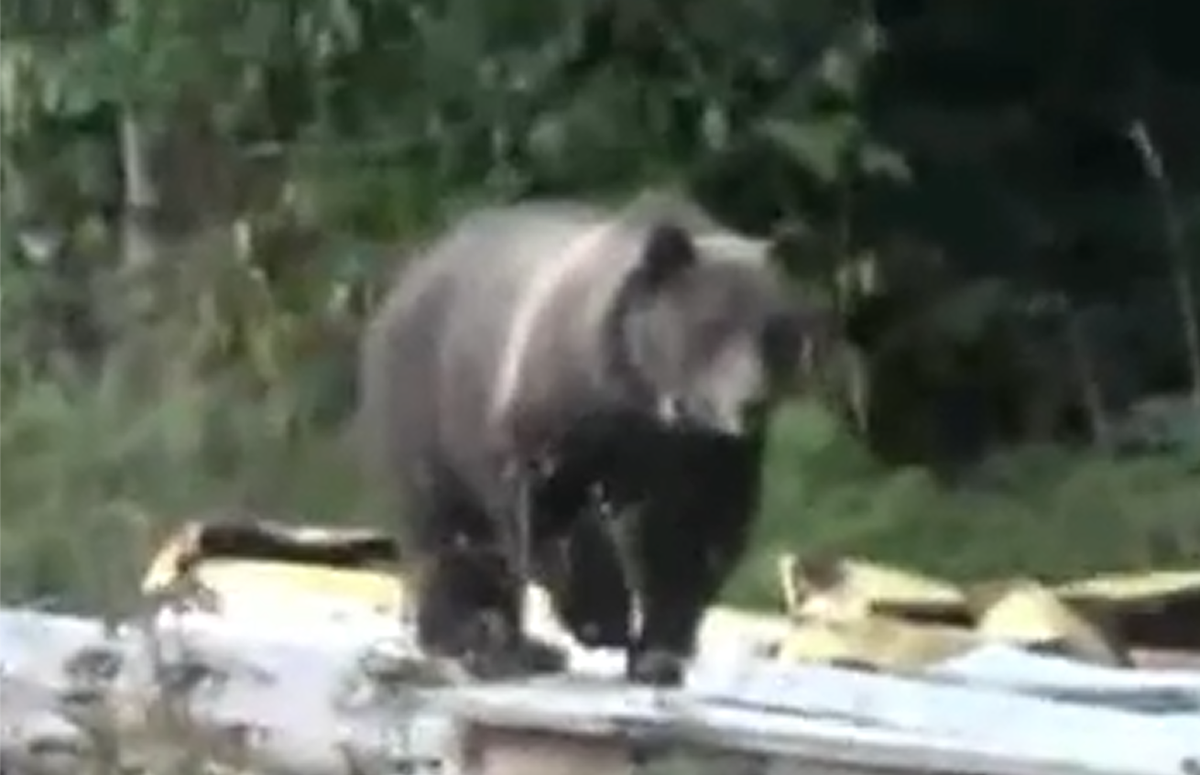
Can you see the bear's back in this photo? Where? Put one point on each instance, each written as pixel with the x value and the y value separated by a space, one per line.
pixel 437 348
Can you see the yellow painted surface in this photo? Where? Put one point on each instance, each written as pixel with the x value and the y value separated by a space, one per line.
pixel 380 591
pixel 877 586
pixel 1133 589
pixel 857 611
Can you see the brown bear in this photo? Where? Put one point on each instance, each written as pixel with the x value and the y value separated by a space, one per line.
pixel 541 365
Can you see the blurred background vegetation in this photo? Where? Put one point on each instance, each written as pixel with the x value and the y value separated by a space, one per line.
pixel 202 198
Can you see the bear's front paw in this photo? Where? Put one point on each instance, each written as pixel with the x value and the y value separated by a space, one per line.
pixel 655 667
pixel 523 657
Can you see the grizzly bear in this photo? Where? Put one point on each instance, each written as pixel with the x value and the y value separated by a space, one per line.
pixel 544 367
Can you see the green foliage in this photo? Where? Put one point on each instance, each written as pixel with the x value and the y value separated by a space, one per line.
pixel 1038 511
pixel 93 476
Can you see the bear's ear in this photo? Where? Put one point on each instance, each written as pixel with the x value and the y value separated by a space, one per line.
pixel 666 253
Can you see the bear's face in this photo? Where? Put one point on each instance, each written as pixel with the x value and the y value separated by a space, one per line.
pixel 715 340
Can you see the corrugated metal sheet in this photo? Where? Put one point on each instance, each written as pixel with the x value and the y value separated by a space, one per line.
pixel 998 710
pixel 1005 710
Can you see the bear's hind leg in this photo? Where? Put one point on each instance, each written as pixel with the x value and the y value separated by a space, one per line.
pixel 457 584
pixel 459 597
pixel 467 597
pixel 467 610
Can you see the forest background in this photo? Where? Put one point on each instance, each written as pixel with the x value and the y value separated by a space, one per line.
pixel 201 200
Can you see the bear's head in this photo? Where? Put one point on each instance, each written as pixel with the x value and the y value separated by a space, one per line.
pixel 711 330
